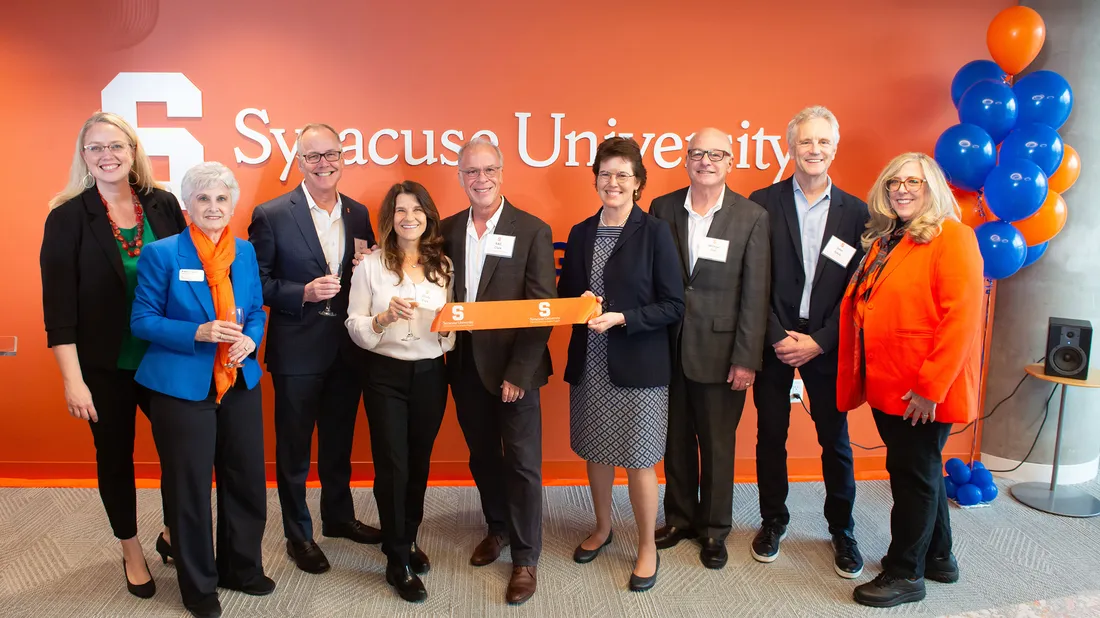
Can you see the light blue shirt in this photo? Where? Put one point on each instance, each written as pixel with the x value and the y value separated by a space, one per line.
pixel 811 225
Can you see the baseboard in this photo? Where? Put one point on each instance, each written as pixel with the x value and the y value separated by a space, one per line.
pixel 1034 472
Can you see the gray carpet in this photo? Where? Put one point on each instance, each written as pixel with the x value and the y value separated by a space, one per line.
pixel 58 558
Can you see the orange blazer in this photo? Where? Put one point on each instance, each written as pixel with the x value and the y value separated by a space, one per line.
pixel 922 329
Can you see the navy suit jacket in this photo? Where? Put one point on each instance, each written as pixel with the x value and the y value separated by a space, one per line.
pixel 168 311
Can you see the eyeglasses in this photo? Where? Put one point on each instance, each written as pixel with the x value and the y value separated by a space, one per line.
pixel 696 154
pixel 472 173
pixel 605 177
pixel 114 147
pixel 913 184
pixel 313 157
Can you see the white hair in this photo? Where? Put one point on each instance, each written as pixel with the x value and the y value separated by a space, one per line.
pixel 207 175
pixel 480 141
pixel 814 111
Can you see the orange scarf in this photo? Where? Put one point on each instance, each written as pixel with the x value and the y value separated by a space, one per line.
pixel 216 261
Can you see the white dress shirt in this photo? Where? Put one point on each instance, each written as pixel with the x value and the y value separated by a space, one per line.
pixel 811 225
pixel 475 250
pixel 330 228
pixel 372 287
pixel 699 226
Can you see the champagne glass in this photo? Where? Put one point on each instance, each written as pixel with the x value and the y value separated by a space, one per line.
pixel 408 294
pixel 236 316
pixel 335 269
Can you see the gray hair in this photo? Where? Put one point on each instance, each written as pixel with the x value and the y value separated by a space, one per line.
pixel 207 175
pixel 314 126
pixel 814 111
pixel 480 141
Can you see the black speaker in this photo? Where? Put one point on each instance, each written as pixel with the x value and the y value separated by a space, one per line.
pixel 1068 343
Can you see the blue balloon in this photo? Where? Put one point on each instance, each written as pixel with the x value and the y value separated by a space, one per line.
pixel 1034 253
pixel 967 155
pixel 950 487
pixel 968 495
pixel 1037 143
pixel 1044 97
pixel 989 492
pixel 1015 189
pixel 958 471
pixel 977 465
pixel 980 477
pixel 973 72
pixel 1003 251
pixel 990 104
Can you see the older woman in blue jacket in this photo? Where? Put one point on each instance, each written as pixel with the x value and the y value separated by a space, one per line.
pixel 199 304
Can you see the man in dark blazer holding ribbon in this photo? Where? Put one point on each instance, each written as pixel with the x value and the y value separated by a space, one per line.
pixel 816 231
pixel 722 239
pixel 305 241
pixel 501 253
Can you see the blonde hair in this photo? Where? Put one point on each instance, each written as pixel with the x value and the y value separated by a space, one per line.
pixel 940 203
pixel 141 171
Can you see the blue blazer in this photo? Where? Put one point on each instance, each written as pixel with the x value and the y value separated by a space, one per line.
pixel 168 311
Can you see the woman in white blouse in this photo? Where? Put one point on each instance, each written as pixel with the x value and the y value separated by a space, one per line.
pixel 395 294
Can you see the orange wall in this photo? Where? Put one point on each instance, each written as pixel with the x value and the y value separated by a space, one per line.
pixel 883 67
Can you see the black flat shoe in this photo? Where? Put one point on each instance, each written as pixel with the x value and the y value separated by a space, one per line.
pixel 641 584
pixel 418 560
pixel 669 536
pixel 354 530
pixel 406 583
pixel 209 607
pixel 888 590
pixel 164 548
pixel 141 591
pixel 713 555
pixel 942 570
pixel 584 556
pixel 307 556
pixel 257 587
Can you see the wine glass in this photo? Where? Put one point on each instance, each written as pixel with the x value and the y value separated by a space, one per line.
pixel 335 269
pixel 236 316
pixel 408 294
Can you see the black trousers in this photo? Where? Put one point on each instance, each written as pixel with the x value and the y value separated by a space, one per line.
pixel 505 441
pixel 699 455
pixel 920 522
pixel 330 401
pixel 117 397
pixel 405 401
pixel 194 438
pixel 771 394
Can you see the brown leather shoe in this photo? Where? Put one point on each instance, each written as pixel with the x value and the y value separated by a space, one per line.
pixel 522 585
pixel 488 550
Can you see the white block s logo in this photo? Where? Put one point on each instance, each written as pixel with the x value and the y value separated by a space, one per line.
pixel 544 309
pixel 457 314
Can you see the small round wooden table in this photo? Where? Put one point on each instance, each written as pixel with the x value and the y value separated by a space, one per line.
pixel 1064 500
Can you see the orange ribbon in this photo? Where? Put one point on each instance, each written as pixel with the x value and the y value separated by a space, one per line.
pixel 487 315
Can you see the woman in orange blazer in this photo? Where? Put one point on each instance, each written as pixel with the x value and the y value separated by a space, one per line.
pixel 910 340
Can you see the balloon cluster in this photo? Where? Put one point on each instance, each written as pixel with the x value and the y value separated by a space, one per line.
pixel 1011 194
pixel 968 485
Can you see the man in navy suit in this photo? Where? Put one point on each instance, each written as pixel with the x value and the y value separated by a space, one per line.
pixel 815 241
pixel 305 241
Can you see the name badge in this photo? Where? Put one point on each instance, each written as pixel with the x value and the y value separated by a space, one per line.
pixel 190 274
pixel 361 246
pixel 839 251
pixel 714 249
pixel 500 245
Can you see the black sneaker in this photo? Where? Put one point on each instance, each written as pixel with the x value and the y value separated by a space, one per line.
pixel 765 546
pixel 888 590
pixel 847 562
pixel 942 570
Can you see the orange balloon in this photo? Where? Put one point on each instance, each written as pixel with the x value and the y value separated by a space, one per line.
pixel 971 211
pixel 1015 37
pixel 1067 173
pixel 1045 224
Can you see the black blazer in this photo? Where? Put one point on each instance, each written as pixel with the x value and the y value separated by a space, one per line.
pixel 847 220
pixel 518 355
pixel 642 281
pixel 83 284
pixel 300 341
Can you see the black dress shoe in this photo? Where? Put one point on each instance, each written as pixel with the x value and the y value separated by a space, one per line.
pixel 765 545
pixel 847 561
pixel 641 584
pixel 164 548
pixel 942 570
pixel 407 584
pixel 209 607
pixel 584 556
pixel 307 556
pixel 714 554
pixel 355 530
pixel 418 560
pixel 669 536
pixel 257 586
pixel 141 591
pixel 888 590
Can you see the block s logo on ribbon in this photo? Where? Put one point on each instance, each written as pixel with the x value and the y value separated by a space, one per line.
pixel 183 100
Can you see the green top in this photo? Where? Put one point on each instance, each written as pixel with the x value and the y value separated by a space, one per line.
pixel 133 349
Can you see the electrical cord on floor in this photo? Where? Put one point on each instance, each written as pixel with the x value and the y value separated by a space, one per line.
pixel 1046 413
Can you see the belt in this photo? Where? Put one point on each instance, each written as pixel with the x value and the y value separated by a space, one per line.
pixel 803 325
